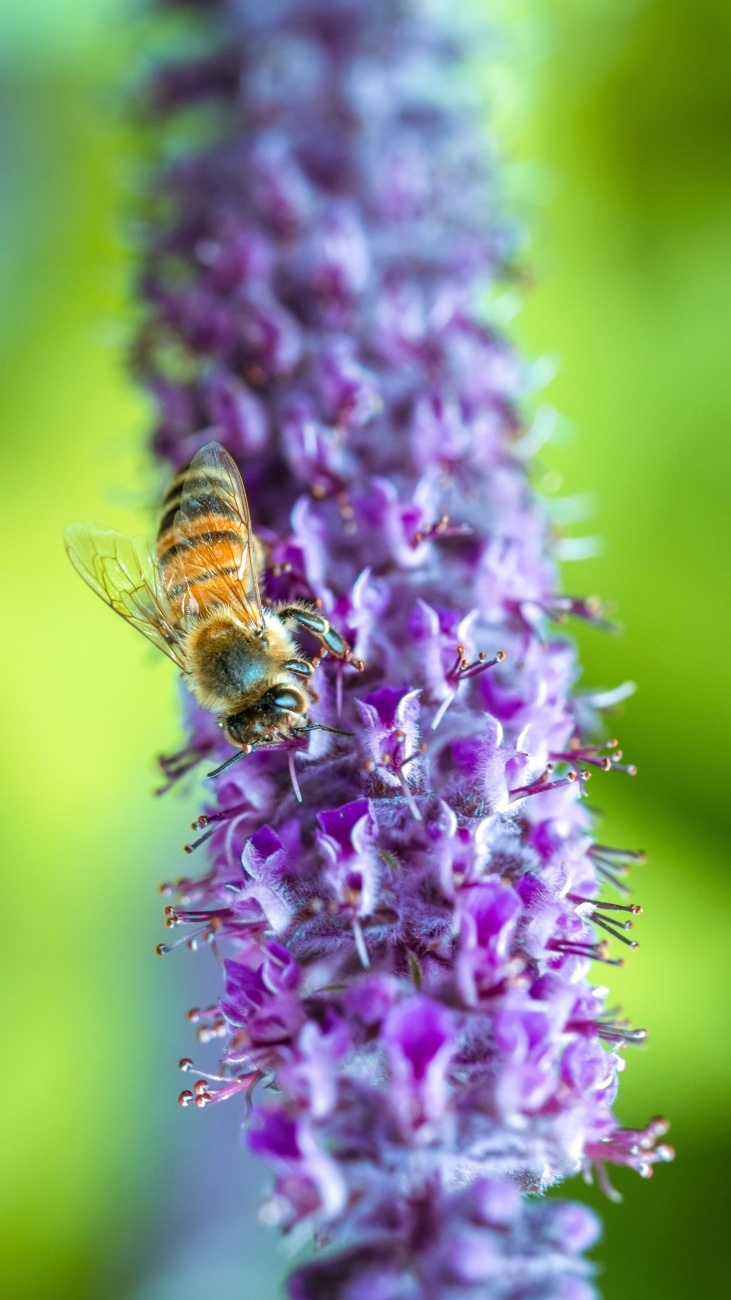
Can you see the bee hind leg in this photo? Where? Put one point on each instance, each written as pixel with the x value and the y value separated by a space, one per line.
pixel 315 623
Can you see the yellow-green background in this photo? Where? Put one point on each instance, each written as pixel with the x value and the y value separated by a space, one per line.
pixel 617 115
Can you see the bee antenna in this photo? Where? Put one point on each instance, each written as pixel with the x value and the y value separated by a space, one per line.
pixel 240 753
pixel 320 726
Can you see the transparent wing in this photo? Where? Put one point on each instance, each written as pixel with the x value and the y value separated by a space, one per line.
pixel 124 573
pixel 213 485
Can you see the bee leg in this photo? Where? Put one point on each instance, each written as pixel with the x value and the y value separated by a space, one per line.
pixel 300 667
pixel 312 621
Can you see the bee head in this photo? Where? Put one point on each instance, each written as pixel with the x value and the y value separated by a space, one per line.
pixel 283 708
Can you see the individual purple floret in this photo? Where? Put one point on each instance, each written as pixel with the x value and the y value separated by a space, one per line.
pixel 406 914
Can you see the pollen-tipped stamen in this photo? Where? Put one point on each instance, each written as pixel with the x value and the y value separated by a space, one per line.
pixel 541 786
pixel 614 930
pixel 462 670
pixel 593 951
pixel 441 528
pixel 604 906
pixel 195 844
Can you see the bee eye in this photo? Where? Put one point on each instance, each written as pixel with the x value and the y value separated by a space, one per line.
pixel 237 726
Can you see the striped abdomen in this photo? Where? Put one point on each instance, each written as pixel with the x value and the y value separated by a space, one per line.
pixel 204 545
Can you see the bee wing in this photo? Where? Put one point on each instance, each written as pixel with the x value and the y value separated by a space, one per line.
pixel 124 573
pixel 213 483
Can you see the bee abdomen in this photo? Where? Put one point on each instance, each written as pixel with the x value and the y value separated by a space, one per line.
pixel 201 499
pixel 208 537
pixel 205 506
pixel 219 596
pixel 200 543
pixel 206 553
pixel 199 560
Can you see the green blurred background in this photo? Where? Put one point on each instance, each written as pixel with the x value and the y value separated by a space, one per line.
pixel 617 118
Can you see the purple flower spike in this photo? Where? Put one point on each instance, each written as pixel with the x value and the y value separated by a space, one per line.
pixel 406 898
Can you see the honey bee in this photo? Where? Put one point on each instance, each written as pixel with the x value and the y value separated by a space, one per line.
pixel 198 600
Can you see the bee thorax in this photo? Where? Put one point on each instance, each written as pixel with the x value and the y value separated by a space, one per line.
pixel 228 664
